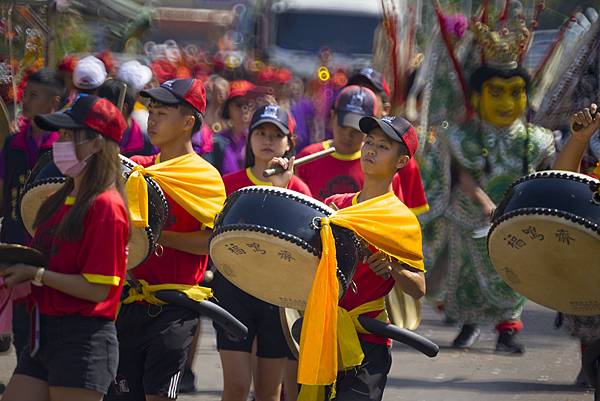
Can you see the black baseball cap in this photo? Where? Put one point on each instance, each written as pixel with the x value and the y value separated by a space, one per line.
pixel 177 91
pixel 353 103
pixel 274 114
pixel 397 128
pixel 373 77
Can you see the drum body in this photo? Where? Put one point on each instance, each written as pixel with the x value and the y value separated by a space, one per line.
pixel 45 179
pixel 545 241
pixel 267 242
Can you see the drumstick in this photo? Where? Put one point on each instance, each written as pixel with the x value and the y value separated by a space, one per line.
pixel 122 93
pixel 277 170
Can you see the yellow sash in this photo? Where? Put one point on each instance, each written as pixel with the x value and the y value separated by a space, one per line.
pixel 387 224
pixel 350 351
pixel 194 292
pixel 191 181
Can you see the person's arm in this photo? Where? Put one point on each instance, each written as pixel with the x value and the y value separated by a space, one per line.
pixel 588 121
pixel 72 284
pixel 412 281
pixel 470 187
pixel 195 242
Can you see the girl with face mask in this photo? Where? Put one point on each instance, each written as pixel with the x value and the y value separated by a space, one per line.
pixel 83 231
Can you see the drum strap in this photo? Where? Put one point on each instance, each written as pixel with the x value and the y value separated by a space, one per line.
pixel 142 291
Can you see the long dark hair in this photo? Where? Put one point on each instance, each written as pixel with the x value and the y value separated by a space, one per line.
pixel 250 160
pixel 103 170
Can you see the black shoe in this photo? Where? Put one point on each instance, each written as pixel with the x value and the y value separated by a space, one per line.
pixel 508 344
pixel 467 336
pixel 187 385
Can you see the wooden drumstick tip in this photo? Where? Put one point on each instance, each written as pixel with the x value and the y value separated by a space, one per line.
pixel 298 162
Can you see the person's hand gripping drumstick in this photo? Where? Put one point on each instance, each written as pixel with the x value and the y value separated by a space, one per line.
pixel 584 124
pixel 281 179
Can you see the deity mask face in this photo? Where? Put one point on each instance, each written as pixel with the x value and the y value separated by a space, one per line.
pixel 502 100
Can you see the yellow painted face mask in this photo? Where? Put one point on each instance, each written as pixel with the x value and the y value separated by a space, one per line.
pixel 502 101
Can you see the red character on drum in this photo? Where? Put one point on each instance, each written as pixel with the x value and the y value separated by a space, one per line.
pixel 270 144
pixel 155 338
pixel 82 230
pixel 388 147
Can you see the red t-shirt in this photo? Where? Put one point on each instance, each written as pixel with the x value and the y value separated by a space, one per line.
pixel 100 256
pixel 173 266
pixel 245 178
pixel 369 286
pixel 338 174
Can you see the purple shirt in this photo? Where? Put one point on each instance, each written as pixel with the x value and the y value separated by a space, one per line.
pixel 234 155
pixel 30 144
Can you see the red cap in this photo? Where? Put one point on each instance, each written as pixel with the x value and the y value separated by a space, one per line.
pixel 68 64
pixel 177 91
pixel 240 88
pixel 87 112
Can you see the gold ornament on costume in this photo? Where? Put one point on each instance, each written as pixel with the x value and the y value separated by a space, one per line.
pixel 502 48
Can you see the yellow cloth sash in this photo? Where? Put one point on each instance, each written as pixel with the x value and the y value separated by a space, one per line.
pixel 191 181
pixel 350 351
pixel 194 292
pixel 387 224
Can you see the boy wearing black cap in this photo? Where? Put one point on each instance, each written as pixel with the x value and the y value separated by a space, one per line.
pixel 374 80
pixel 155 339
pixel 340 171
pixel 390 143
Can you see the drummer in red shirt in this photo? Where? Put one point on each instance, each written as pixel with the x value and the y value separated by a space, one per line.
pixel 389 145
pixel 82 230
pixel 269 144
pixel 155 340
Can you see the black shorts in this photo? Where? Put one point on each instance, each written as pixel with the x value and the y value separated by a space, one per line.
pixel 154 342
pixel 261 319
pixel 75 351
pixel 367 381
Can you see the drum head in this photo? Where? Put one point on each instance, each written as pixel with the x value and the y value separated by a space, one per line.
pixel 32 200
pixel 14 253
pixel 258 263
pixel 288 317
pixel 550 260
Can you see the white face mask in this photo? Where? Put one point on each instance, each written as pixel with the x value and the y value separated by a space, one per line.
pixel 65 158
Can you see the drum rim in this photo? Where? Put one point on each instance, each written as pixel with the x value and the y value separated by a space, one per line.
pixel 556 174
pixel 286 193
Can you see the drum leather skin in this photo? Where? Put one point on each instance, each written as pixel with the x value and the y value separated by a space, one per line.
pixel 45 179
pixel 267 242
pixel 545 240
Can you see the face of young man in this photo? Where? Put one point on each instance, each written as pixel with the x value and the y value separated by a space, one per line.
pixel 381 155
pixel 166 124
pixel 347 140
pixel 502 101
pixel 38 99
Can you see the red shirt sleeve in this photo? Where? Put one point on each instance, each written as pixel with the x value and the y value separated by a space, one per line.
pixel 296 184
pixel 411 185
pixel 102 253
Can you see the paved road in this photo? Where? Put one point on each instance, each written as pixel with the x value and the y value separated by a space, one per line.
pixel 546 372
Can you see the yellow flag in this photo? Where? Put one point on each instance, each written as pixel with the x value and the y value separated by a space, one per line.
pixel 189 180
pixel 385 223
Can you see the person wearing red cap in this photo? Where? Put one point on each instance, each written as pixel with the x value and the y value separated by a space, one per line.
pixel 270 144
pixel 237 110
pixel 155 339
pixel 390 143
pixel 408 181
pixel 82 230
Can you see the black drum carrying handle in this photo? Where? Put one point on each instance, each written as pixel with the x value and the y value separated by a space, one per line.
pixel 403 336
pixel 205 308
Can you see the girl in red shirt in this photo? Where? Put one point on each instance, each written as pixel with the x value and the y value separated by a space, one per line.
pixel 269 144
pixel 83 232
